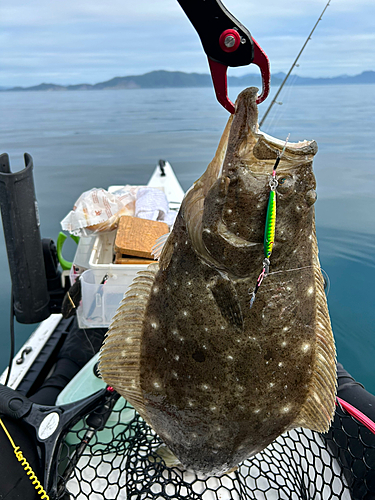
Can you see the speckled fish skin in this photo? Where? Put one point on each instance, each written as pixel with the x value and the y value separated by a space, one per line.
pixel 219 381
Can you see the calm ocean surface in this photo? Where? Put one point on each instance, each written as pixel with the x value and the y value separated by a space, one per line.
pixel 81 140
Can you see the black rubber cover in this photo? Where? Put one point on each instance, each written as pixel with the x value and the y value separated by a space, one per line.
pixel 24 246
pixel 12 403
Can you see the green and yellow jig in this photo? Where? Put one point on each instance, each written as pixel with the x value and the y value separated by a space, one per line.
pixel 270 226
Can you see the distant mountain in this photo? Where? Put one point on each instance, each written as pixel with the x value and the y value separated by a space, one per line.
pixel 364 77
pixel 178 79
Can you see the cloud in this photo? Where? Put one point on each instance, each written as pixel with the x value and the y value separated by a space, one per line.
pixel 71 42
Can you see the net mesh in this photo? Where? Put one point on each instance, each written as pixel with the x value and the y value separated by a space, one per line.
pixel 124 461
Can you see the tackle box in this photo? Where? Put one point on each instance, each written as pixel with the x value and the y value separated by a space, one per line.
pixel 100 300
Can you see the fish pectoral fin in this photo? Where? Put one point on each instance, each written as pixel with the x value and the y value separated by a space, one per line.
pixel 157 249
pixel 232 239
pixel 163 453
pixel 227 301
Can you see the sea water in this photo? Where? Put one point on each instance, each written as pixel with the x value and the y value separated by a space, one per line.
pixel 82 139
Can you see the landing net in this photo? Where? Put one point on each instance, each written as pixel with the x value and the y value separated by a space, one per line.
pixel 122 462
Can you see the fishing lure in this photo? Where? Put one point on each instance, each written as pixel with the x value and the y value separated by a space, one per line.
pixel 270 226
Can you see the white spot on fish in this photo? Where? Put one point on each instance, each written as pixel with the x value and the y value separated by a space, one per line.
pixel 175 375
pixel 289 288
pixel 185 313
pixel 230 358
pixel 123 354
pixel 190 403
pixel 155 289
pixel 213 408
pixel 257 410
pixel 194 435
pixel 280 364
pixel 156 385
pixel 154 325
pixel 283 343
pixel 229 211
pixel 176 357
pixel 222 327
pixel 240 388
pixel 305 347
pixel 182 339
pixel 205 329
pixel 186 243
pixel 188 283
pixel 205 387
pixel 206 231
pixel 271 384
pixel 285 387
pixel 286 409
pixel 286 328
pixel 175 332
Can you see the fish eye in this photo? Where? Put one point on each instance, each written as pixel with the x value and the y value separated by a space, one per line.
pixel 285 183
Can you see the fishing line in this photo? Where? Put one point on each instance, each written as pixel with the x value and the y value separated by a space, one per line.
pixel 327 281
pixel 11 328
pixel 294 269
pixel 89 341
pixel 279 113
pixel 25 464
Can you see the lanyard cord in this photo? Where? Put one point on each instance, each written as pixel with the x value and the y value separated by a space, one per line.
pixel 25 464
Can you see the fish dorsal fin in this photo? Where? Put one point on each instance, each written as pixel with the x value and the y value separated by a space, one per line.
pixel 318 410
pixel 157 249
pixel 120 355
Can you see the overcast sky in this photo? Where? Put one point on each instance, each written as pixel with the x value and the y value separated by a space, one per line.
pixel 89 41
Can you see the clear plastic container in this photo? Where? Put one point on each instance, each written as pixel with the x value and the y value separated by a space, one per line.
pixel 102 292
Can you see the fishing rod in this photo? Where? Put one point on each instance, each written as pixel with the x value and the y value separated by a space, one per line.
pixel 293 65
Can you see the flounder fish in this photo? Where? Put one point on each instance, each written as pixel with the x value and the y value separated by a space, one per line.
pixel 217 380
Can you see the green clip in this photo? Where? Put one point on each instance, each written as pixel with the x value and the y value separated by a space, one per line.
pixel 66 265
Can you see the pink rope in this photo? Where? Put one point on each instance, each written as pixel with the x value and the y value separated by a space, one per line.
pixel 358 415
